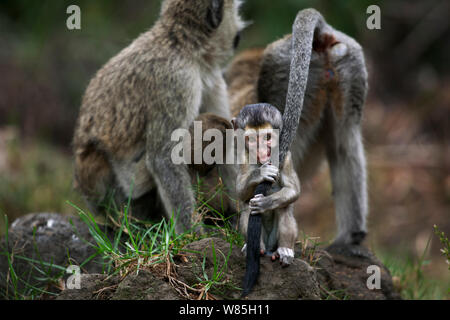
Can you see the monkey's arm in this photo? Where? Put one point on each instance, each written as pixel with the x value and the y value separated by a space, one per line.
pixel 251 176
pixel 247 180
pixel 290 191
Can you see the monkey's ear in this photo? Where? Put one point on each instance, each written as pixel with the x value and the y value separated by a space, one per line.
pixel 215 13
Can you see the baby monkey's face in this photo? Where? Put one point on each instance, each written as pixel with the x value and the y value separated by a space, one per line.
pixel 260 141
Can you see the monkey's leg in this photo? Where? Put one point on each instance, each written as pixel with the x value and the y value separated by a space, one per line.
pixel 243 226
pixel 287 235
pixel 94 179
pixel 174 188
pixel 345 153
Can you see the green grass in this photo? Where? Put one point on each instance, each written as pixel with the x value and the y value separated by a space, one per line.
pixel 156 246
pixel 138 245
pixel 39 176
pixel 309 246
pixel 410 279
pixel 217 282
pixel 19 286
pixel 135 245
pixel 445 243
pixel 221 222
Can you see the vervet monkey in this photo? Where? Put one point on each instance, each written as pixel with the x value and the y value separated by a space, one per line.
pixel 330 121
pixel 279 228
pixel 159 83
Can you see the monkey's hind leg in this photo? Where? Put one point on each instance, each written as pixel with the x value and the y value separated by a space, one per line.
pixel 287 235
pixel 174 188
pixel 345 153
pixel 94 179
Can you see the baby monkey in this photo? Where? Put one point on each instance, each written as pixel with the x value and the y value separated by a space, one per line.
pixel 261 124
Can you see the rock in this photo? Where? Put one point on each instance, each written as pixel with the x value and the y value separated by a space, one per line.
pixel 141 286
pixel 338 272
pixel 298 281
pixel 93 287
pixel 345 271
pixel 144 286
pixel 54 240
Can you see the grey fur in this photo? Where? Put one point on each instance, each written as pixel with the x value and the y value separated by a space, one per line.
pixel 159 83
pixel 332 108
pixel 342 136
pixel 256 115
pixel 279 228
pixel 303 29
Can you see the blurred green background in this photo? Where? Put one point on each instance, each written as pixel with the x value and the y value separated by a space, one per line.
pixel 44 69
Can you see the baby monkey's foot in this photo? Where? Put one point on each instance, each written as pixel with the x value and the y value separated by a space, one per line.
pixel 286 256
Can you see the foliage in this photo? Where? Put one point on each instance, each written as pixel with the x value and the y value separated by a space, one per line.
pixel 409 277
pixel 20 286
pixel 46 67
pixel 156 247
pixel 135 245
pixel 445 242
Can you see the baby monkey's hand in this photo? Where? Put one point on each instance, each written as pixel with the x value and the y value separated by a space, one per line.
pixel 269 172
pixel 259 204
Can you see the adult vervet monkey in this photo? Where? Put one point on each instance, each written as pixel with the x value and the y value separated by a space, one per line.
pixel 159 83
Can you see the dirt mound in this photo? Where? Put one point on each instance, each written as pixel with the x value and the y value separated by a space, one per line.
pixel 334 273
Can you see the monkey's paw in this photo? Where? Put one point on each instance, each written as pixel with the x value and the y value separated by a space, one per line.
pixel 269 172
pixel 259 204
pixel 348 250
pixel 286 256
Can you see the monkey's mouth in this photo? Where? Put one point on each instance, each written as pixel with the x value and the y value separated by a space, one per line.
pixel 264 154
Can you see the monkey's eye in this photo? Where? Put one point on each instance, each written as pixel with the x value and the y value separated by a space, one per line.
pixel 267 137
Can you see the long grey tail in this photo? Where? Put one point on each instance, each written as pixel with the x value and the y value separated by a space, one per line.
pixel 305 25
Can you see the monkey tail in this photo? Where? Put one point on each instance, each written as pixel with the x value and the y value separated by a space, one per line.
pixel 253 247
pixel 306 23
pixel 253 244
